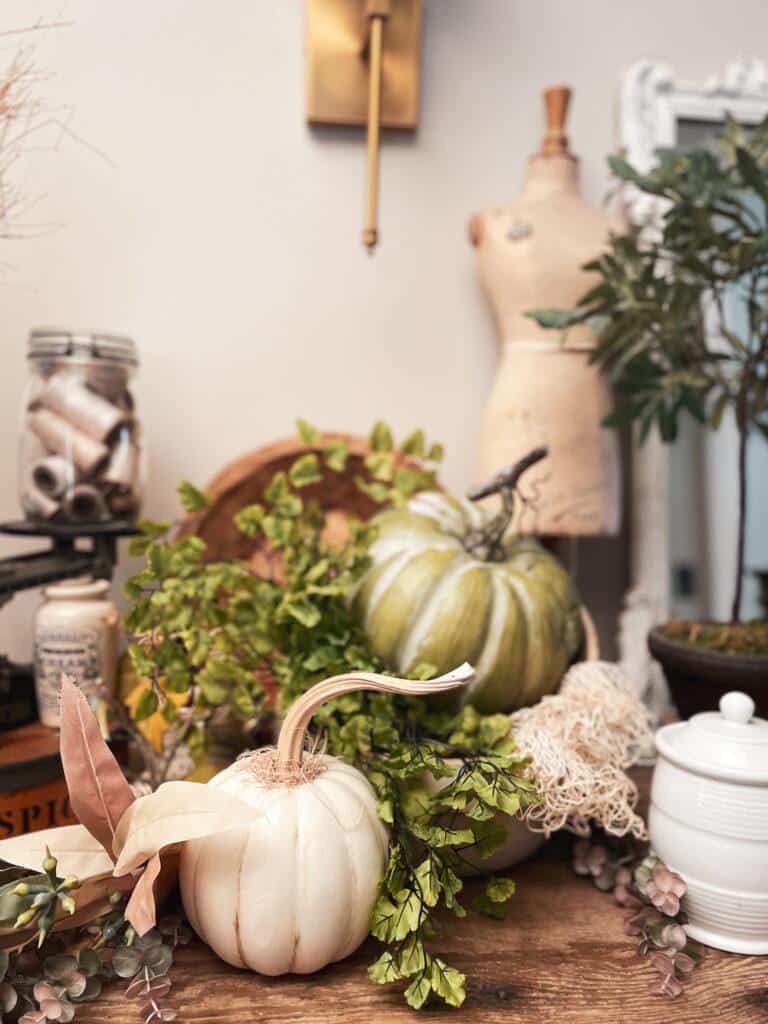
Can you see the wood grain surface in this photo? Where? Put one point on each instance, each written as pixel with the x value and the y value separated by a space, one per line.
pixel 561 957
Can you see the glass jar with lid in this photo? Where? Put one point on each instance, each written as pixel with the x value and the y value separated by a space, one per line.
pixel 82 451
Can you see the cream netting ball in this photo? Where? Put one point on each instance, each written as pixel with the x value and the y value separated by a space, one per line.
pixel 581 741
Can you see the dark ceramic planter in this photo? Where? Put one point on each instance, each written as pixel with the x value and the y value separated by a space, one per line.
pixel 699 678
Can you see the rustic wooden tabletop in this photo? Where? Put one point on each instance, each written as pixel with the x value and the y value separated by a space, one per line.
pixel 560 957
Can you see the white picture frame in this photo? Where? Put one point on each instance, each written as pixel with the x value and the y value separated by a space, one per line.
pixel 653 103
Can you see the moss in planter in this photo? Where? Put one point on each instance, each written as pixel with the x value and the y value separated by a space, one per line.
pixel 724 637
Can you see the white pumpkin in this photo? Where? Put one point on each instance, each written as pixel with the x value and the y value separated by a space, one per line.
pixel 293 890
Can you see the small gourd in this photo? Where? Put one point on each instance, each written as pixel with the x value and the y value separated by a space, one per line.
pixel 293 890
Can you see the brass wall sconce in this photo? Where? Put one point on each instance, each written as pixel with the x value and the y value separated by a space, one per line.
pixel 363 63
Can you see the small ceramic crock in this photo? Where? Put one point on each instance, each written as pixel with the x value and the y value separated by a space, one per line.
pixel 709 821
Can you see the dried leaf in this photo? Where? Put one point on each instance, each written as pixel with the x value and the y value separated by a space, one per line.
pixel 176 812
pixel 141 909
pixel 74 847
pixel 98 792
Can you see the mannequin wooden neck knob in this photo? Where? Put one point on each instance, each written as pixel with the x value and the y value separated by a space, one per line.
pixel 556 100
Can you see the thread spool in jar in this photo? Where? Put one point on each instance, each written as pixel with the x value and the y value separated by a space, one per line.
pixel 67 396
pixel 122 465
pixel 52 475
pixel 62 438
pixel 85 504
pixel 39 505
pixel 82 445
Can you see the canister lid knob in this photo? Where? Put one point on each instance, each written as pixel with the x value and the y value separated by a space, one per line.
pixel 737 707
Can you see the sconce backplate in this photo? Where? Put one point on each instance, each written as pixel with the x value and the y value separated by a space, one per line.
pixel 337 71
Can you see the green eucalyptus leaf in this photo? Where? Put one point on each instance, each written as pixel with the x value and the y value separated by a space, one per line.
pixel 489 836
pixel 427 874
pixel 423 671
pixel 383 919
pixel 452 885
pixel 407 480
pixel 91 991
pixel 414 444
pixel 751 173
pixel 413 957
pixel 418 992
pixel 335 455
pixel 500 889
pixel 437 835
pixel 622 169
pixel 89 962
pixel 556 318
pixel 408 913
pixel 126 961
pixel 192 499
pixel 385 969
pixel 306 432
pixel 380 438
pixel 249 520
pixel 305 471
pixel 379 492
pixel 483 904
pixel 59 967
pixel 146 705
pixel 448 983
pixel 158 960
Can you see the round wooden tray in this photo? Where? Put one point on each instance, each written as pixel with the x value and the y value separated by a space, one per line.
pixel 244 481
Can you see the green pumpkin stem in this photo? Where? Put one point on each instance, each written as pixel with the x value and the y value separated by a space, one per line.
pixel 487 542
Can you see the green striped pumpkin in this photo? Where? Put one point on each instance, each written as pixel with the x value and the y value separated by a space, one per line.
pixel 427 599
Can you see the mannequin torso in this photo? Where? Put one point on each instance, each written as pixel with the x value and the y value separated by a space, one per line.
pixel 530 251
pixel 530 254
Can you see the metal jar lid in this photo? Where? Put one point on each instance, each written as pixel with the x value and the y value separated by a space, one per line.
pixel 102 346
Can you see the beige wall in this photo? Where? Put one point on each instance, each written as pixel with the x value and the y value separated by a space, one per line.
pixel 225 236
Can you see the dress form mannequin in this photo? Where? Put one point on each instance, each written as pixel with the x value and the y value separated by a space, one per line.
pixel 530 252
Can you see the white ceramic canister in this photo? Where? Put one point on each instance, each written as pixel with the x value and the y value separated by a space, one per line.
pixel 709 821
pixel 76 630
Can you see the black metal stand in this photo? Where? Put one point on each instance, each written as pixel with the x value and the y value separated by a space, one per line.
pixel 63 560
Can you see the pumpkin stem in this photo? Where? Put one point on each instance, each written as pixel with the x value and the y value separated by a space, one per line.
pixel 487 541
pixel 290 744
